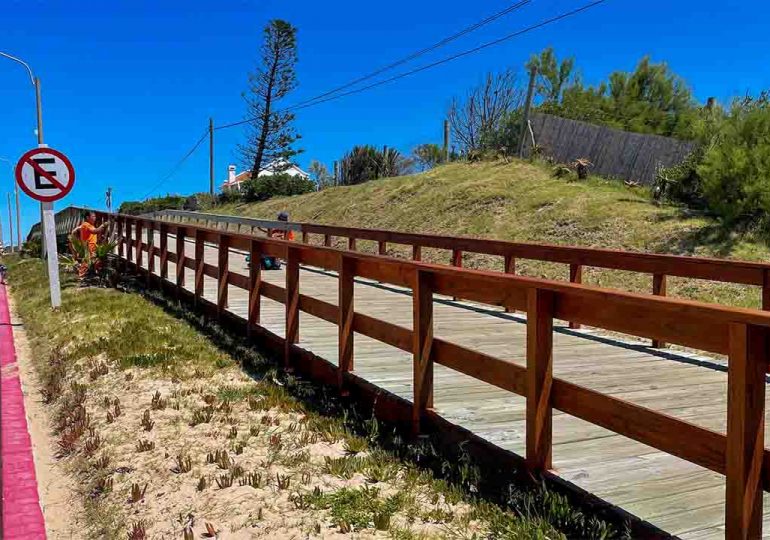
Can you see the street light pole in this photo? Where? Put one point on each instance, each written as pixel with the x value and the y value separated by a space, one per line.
pixel 47 224
pixel 39 109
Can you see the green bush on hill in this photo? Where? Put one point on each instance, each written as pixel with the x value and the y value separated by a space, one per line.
pixel 266 187
pixel 735 169
pixel 198 201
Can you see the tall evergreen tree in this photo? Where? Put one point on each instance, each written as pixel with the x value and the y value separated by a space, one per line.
pixel 272 134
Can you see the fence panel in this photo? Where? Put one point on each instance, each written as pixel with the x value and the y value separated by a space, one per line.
pixel 613 152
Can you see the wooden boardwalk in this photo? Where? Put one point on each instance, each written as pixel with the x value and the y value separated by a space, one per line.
pixel 675 495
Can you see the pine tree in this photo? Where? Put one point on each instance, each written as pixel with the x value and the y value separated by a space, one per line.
pixel 271 134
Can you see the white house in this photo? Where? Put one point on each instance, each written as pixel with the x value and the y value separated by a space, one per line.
pixel 234 180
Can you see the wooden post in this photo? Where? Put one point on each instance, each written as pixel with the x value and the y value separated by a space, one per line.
pixel 304 237
pixel 138 247
pixel 446 142
pixel 658 289
pixel 224 273
pixel 766 291
pixel 416 252
pixel 211 156
pixel 382 247
pixel 121 240
pixel 345 318
pixel 180 260
pixel 457 260
pixel 327 240
pixel 292 304
pixel 422 343
pixel 163 252
pixel 200 257
pixel 352 243
pixel 128 239
pixel 747 365
pixel 527 106
pixel 150 253
pixel 575 276
pixel 255 283
pixel 509 264
pixel 539 378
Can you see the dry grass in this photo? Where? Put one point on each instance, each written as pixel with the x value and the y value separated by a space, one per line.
pixel 523 202
pixel 258 462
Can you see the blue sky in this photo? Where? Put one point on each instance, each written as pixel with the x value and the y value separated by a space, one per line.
pixel 128 86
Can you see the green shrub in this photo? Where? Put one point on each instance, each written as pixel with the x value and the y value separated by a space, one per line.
pixel 154 204
pixel 276 185
pixel 229 196
pixel 735 170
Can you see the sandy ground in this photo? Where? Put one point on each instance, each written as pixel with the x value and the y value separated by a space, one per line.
pixel 62 509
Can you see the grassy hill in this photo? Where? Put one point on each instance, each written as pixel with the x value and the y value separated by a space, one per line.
pixel 524 202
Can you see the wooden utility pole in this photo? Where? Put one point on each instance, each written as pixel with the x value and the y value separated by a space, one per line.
pixel 336 173
pixel 446 141
pixel 211 156
pixel 527 106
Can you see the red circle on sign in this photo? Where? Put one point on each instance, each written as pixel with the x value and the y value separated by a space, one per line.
pixel 26 160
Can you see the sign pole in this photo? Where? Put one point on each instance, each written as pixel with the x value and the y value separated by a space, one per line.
pixel 49 229
pixel 47 175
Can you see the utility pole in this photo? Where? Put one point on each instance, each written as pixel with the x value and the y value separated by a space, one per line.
pixel 39 108
pixel 108 200
pixel 527 106
pixel 336 173
pixel 10 223
pixel 18 207
pixel 446 141
pixel 211 156
pixel 18 218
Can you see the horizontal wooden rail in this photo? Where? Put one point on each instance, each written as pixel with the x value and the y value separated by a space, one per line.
pixel 742 334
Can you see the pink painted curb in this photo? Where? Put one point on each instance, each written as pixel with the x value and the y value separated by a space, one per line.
pixel 22 515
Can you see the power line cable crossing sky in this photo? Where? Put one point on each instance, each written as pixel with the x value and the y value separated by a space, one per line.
pixel 334 94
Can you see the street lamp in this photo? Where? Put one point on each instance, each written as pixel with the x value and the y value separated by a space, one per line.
pixel 39 106
pixel 36 83
pixel 18 208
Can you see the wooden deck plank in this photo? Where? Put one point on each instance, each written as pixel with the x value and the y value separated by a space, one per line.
pixel 671 493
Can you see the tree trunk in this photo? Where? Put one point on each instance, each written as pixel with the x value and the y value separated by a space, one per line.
pixel 265 120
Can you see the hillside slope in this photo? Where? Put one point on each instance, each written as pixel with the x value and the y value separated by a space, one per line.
pixel 524 202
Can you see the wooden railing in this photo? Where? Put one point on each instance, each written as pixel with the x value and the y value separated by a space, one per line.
pixel 741 334
pixel 659 266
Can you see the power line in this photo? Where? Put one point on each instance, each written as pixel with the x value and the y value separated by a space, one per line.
pixel 316 101
pixel 421 52
pixel 178 164
pixel 458 55
pixel 404 60
pixel 446 60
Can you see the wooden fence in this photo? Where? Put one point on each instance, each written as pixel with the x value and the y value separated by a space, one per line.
pixel 575 258
pixel 742 334
pixel 613 152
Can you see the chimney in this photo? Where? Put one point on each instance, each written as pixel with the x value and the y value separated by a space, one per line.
pixel 230 174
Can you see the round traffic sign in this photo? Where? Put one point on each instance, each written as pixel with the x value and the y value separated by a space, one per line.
pixel 45 174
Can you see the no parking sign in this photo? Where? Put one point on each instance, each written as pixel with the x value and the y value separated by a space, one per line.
pixel 47 175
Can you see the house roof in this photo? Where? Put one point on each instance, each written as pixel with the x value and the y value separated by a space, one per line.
pixel 271 167
pixel 240 177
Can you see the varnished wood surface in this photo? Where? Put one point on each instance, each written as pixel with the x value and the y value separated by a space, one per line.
pixel 680 497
